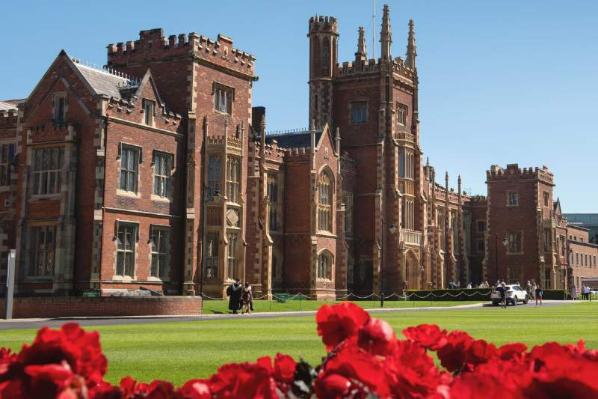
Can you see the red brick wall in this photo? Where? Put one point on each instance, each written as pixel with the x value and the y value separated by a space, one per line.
pixel 42 307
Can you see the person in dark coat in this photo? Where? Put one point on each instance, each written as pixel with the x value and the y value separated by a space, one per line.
pixel 234 292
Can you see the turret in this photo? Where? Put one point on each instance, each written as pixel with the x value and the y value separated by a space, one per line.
pixel 385 34
pixel 323 57
pixel 361 54
pixel 411 48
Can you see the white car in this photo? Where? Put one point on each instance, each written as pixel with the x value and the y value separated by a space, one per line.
pixel 514 294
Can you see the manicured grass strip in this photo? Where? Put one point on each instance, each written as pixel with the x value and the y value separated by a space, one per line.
pixel 178 351
pixel 217 306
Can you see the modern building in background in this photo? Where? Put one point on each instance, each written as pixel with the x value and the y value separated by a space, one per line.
pixel 588 221
pixel 158 173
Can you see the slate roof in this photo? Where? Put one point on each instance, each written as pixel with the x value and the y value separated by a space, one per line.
pixel 293 140
pixel 105 83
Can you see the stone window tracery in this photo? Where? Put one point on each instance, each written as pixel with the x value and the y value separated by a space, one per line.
pixel 43 250
pixel 325 196
pixel 162 173
pixel 233 178
pixel 324 266
pixel 126 240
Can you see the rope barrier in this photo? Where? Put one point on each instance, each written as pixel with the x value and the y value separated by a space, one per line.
pixel 351 295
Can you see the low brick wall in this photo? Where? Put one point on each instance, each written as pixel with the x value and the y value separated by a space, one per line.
pixel 34 307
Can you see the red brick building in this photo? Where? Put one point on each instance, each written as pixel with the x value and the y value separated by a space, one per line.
pixel 157 173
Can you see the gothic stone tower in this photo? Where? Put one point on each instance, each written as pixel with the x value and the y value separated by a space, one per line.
pixel 374 103
pixel 323 57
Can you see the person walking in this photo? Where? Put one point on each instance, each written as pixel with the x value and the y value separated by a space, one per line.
pixel 234 292
pixel 247 299
pixel 539 294
pixel 528 289
pixel 573 292
pixel 585 293
pixel 502 290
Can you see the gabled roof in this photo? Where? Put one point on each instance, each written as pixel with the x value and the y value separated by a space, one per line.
pixel 103 82
pixel 298 139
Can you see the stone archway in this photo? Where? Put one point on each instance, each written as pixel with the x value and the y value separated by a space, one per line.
pixel 412 270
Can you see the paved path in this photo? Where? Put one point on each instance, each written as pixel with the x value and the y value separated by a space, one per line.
pixel 103 321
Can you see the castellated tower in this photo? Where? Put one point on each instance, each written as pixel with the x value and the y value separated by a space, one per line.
pixel 323 57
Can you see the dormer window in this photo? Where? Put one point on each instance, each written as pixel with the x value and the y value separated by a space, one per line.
pixel 59 114
pixel 223 97
pixel 148 112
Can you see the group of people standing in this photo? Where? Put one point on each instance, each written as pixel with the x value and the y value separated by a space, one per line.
pixel 240 297
pixel 586 292
pixel 534 291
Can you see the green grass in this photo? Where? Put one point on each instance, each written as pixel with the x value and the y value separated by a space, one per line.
pixel 178 351
pixel 221 306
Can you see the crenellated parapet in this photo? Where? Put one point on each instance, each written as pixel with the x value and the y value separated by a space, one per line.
pixel 153 45
pixel 497 173
pixel 323 24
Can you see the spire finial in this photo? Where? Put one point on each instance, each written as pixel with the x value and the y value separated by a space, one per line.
pixel 385 34
pixel 361 53
pixel 411 48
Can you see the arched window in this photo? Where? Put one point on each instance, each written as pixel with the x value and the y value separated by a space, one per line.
pixel 325 266
pixel 325 191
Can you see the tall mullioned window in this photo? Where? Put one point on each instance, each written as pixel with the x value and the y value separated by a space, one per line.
pixel 232 254
pixel 129 168
pixel 212 248
pixel 406 163
pixel 514 242
pixel 126 239
pixel 43 250
pixel 233 178
pixel 7 156
pixel 402 114
pixel 325 194
pixel 324 266
pixel 160 247
pixel 214 175
pixel 59 112
pixel 47 166
pixel 162 173
pixel 273 202
pixel 223 97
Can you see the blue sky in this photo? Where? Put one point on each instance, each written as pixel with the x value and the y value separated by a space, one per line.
pixel 500 81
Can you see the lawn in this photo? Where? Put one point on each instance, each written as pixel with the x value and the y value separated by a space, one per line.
pixel 178 351
pixel 221 306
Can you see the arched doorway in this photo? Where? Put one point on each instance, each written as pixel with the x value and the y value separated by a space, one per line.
pixel 412 272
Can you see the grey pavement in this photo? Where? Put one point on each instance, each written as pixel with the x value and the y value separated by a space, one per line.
pixel 104 321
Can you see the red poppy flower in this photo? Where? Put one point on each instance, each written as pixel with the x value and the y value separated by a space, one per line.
pixel 339 322
pixel 430 336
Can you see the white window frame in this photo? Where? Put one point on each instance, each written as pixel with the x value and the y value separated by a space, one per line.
pixel 129 168
pixel 126 249
pixel 233 178
pixel 160 252
pixel 149 112
pixel 46 164
pixel 162 167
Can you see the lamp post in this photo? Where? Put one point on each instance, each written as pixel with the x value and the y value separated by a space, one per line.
pixel 392 229
pixel 505 242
